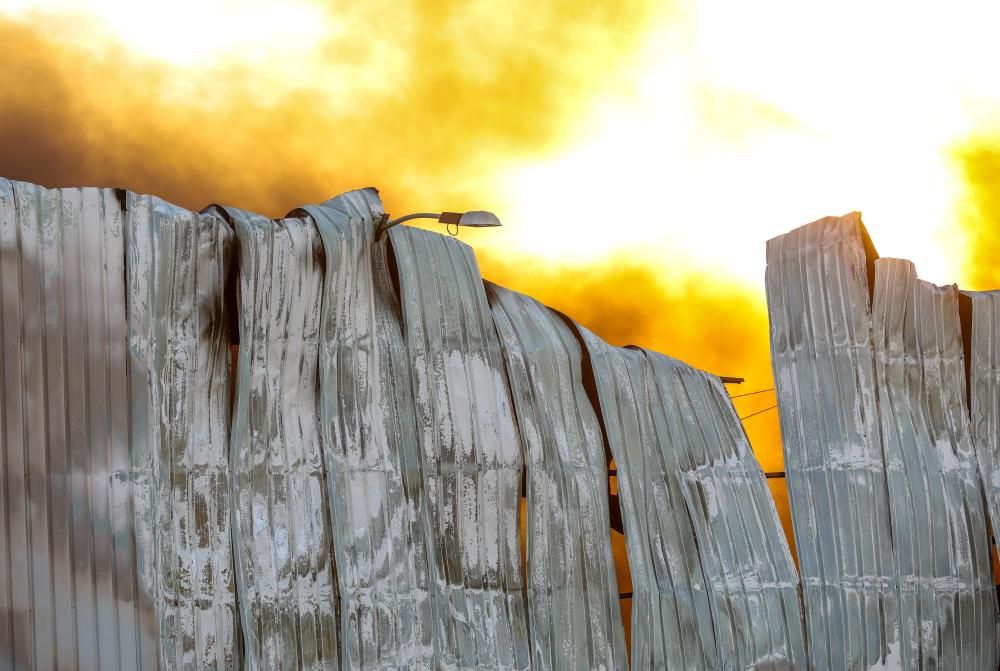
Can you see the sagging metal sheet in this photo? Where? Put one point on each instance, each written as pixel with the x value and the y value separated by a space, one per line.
pixel 671 606
pixel 983 330
pixel 574 614
pixel 470 450
pixel 179 384
pixel 371 453
pixel 821 350
pixel 68 595
pixel 282 533
pixel 752 581
pixel 714 585
pixel 947 601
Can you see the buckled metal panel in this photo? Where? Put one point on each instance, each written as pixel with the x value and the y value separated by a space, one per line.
pixel 284 559
pixel 672 624
pixel 947 602
pixel 752 581
pixel 370 445
pixel 179 382
pixel 821 349
pixel 984 385
pixel 68 595
pixel 574 615
pixel 471 453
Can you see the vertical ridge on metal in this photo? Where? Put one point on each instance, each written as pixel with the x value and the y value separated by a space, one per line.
pixel 574 613
pixel 284 559
pixel 672 624
pixel 821 349
pixel 370 446
pixel 752 582
pixel 68 584
pixel 947 601
pixel 471 453
pixel 179 384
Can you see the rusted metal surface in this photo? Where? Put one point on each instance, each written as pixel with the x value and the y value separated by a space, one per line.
pixel 179 382
pixel 282 533
pixel 68 596
pixel 713 581
pixel 372 457
pixel 821 349
pixel 947 601
pixel 471 454
pixel 573 611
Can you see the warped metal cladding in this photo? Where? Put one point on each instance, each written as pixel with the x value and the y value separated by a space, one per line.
pixel 374 486
pixel 983 333
pixel 671 609
pixel 752 581
pixel 947 601
pixel 282 534
pixel 714 586
pixel 574 615
pixel 821 349
pixel 471 453
pixel 68 596
pixel 179 384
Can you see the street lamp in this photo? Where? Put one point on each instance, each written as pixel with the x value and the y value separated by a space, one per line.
pixel 473 219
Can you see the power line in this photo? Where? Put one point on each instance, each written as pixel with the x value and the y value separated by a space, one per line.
pixel 751 393
pixel 753 414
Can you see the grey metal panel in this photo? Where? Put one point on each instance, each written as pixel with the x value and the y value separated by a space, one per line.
pixel 984 385
pixel 574 614
pixel 284 559
pixel 370 445
pixel 68 594
pixel 672 623
pixel 752 581
pixel 471 453
pixel 179 381
pixel 947 601
pixel 821 349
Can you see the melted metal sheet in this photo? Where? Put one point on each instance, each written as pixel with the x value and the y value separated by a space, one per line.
pixel 947 601
pixel 284 559
pixel 821 349
pixel 68 595
pixel 370 445
pixel 179 377
pixel 471 453
pixel 752 581
pixel 574 613
pixel 713 579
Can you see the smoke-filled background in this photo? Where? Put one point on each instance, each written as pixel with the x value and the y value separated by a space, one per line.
pixel 639 153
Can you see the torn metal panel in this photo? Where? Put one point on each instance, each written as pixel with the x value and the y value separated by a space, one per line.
pixel 471 453
pixel 372 458
pixel 179 382
pixel 672 619
pixel 284 559
pixel 821 349
pixel 752 581
pixel 947 602
pixel 984 386
pixel 68 578
pixel 574 613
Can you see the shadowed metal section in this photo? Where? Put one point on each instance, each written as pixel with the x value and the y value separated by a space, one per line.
pixel 285 573
pixel 748 568
pixel 372 458
pixel 671 606
pixel 947 602
pixel 471 453
pixel 574 614
pixel 821 349
pixel 179 382
pixel 68 584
